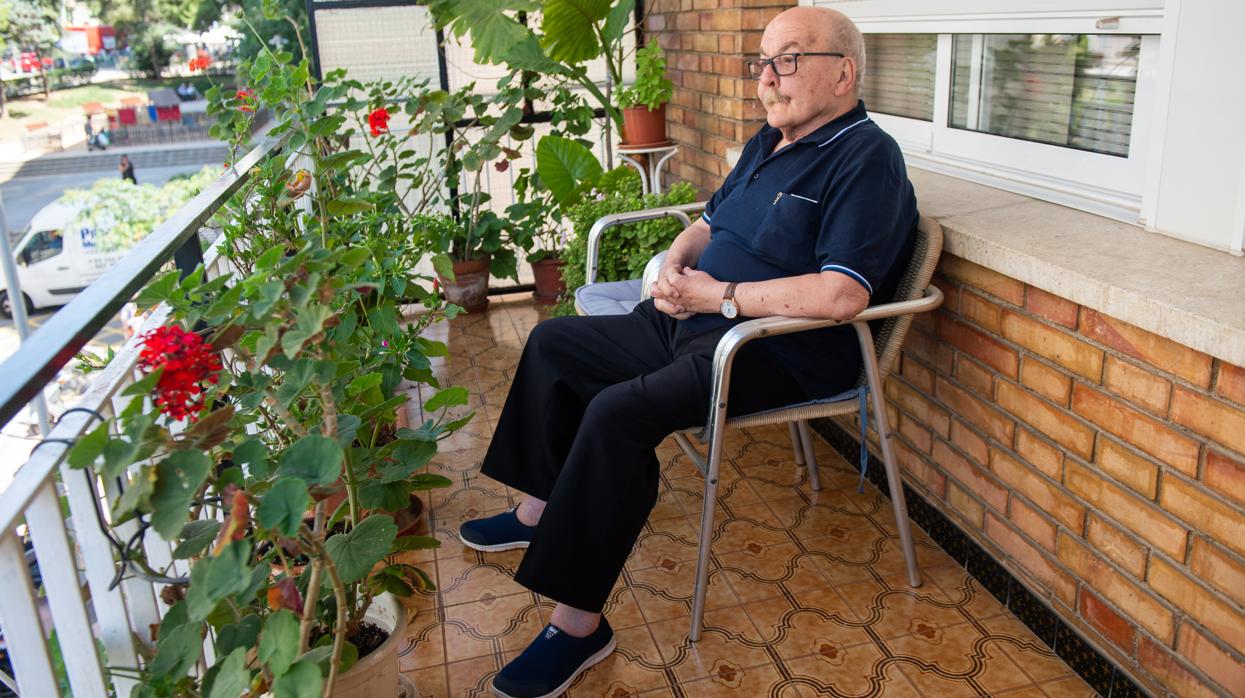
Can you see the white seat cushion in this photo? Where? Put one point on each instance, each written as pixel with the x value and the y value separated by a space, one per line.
pixel 608 297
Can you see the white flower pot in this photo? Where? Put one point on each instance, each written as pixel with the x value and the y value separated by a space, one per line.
pixel 376 675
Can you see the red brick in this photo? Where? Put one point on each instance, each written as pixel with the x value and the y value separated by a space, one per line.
pixel 982 311
pixel 1219 568
pixel 917 434
pixel 1225 475
pixel 981 415
pixel 969 442
pixel 1032 560
pixel 919 406
pixel 686 21
pixel 1145 433
pixel 929 350
pixel 1203 606
pixel 1231 383
pixel 1205 513
pixel 1118 546
pixel 977 480
pixel 1055 423
pixel 950 293
pixel 720 21
pixel 974 376
pixel 975 275
pixel 979 345
pixel 1050 383
pixel 1217 421
pixel 1051 307
pixel 966 504
pixel 1219 665
pixel 1135 602
pixel 1137 515
pixel 1138 472
pixel 919 467
pixel 1164 666
pixel 759 18
pixel 1111 624
pixel 1042 455
pixel 726 43
pixel 1042 492
pixel 1054 344
pixel 1141 386
pixel 921 377
pixel 1033 523
pixel 1193 366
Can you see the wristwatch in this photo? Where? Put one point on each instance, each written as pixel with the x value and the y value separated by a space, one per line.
pixel 729 308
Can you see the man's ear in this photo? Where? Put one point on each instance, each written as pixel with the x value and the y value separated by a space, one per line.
pixel 844 79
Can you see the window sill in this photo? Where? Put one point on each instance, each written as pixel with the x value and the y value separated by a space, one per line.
pixel 1178 290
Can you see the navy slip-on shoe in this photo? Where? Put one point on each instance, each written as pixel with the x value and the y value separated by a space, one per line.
pixel 501 532
pixel 552 662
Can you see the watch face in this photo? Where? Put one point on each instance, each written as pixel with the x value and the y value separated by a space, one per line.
pixel 729 310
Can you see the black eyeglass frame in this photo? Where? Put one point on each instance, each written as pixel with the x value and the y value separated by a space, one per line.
pixel 795 63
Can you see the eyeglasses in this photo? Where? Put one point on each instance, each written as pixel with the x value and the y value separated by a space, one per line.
pixel 783 63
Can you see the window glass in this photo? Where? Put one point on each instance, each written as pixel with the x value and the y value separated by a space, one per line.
pixel 899 74
pixel 1072 90
pixel 43 245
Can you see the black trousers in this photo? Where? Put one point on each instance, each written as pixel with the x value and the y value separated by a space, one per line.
pixel 591 399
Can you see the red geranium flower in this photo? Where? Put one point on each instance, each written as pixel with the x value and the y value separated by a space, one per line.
pixel 378 121
pixel 247 97
pixel 188 363
pixel 200 62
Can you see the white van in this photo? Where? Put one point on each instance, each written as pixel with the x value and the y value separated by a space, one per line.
pixel 54 263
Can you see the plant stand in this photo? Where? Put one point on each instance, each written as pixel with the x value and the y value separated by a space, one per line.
pixel 657 157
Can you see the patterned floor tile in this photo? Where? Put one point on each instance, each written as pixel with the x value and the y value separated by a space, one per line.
pixel 808 591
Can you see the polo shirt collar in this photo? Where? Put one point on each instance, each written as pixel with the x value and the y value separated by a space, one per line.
pixel 827 133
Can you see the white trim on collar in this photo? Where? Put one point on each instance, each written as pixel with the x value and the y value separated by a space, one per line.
pixel 845 130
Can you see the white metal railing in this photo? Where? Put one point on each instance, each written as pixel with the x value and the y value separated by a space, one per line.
pixel 116 613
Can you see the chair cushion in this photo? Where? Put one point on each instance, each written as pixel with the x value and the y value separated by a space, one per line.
pixel 608 297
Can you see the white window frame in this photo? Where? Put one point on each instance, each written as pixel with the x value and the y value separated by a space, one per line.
pixel 1108 185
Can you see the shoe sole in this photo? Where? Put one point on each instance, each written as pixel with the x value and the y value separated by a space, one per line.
pixel 601 654
pixel 513 545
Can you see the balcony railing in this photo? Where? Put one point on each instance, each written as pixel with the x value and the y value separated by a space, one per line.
pixel 119 611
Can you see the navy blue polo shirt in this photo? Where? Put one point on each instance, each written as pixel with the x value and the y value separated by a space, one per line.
pixel 837 199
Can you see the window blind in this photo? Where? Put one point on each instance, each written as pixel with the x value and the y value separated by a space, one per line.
pixel 899 74
pixel 1073 90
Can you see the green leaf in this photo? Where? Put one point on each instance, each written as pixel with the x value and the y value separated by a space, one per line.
pixel 177 650
pixel 314 458
pixel 144 385
pixel 269 258
pixel 569 28
pixel 89 447
pixel 358 550
pixel 196 537
pixel 408 543
pixel 391 496
pixel 408 457
pixel 278 646
pixel 528 55
pixel 295 379
pixel 616 22
pixel 159 290
pixel 491 24
pixel 347 206
pixel 283 508
pixel 354 256
pixel 429 481
pixel 178 478
pixel 566 168
pixel 232 676
pixel 363 383
pixel 443 265
pixel 303 680
pixel 241 634
pixel 119 454
pixel 253 454
pixel 309 323
pixel 450 397
pixel 214 578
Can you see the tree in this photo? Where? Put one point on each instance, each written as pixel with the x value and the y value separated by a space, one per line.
pixel 33 26
pixel 262 21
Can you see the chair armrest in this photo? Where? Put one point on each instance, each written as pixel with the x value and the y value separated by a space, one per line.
pixel 744 332
pixel 615 219
pixel 651 270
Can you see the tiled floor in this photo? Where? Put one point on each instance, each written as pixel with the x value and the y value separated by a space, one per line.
pixel 807 596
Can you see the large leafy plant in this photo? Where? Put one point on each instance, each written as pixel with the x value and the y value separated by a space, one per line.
pixel 262 441
pixel 651 88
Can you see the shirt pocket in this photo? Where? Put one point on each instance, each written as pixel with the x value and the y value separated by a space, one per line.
pixel 787 234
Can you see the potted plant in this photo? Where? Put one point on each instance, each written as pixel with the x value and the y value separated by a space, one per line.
pixel 261 440
pixel 643 103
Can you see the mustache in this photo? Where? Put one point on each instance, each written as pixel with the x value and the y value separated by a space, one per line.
pixel 771 97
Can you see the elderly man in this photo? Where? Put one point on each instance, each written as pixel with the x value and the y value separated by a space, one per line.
pixel 816 220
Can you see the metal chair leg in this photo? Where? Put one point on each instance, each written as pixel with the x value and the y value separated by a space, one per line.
pixel 796 444
pixel 895 481
pixel 806 440
pixel 701 587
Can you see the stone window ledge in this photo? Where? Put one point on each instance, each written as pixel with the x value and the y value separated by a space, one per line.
pixel 1187 293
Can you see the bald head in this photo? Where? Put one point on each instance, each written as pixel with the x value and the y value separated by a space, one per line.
pixel 824 29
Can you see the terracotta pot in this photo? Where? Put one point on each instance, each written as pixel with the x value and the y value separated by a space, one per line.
pixel 413 520
pixel 642 127
pixel 470 285
pixel 549 282
pixel 376 675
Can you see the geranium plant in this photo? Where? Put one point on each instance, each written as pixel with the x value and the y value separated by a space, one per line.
pixel 262 440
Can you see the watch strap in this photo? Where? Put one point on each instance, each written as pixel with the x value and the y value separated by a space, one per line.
pixel 730 291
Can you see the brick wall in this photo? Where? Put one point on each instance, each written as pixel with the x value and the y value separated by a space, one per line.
pixel 1104 465
pixel 714 106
